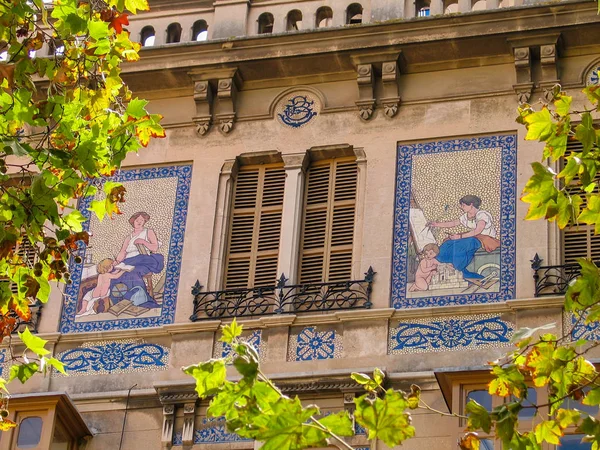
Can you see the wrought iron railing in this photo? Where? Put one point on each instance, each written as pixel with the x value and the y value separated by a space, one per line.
pixel 282 299
pixel 32 322
pixel 552 280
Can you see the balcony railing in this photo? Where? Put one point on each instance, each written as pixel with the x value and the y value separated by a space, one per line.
pixel 552 280
pixel 32 323
pixel 282 299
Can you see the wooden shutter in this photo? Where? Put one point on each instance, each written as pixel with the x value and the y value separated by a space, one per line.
pixel 328 226
pixel 27 252
pixel 255 227
pixel 579 241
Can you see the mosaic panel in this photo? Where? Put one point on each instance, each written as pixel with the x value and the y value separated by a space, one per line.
pixel 454 222
pixel 591 77
pixel 310 344
pixel 4 363
pixel 449 333
pixel 210 431
pixel 107 357
pixel 223 350
pixel 297 109
pixel 578 329
pixel 128 275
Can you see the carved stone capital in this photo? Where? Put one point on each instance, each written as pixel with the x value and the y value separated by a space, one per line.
pixel 549 90
pixel 189 416
pixel 202 124
pixel 225 122
pixel 167 428
pixel 366 108
pixel 227 94
pixel 522 57
pixel 523 91
pixel 390 106
pixel 366 82
pixel 203 96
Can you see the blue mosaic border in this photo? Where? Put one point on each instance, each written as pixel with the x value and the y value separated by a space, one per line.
pixel 184 176
pixel 311 344
pixel 578 329
pixel 405 153
pixel 211 431
pixel 450 334
pixel 110 357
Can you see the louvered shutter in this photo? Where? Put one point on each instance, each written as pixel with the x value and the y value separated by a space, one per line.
pixel 27 252
pixel 328 226
pixel 579 241
pixel 255 227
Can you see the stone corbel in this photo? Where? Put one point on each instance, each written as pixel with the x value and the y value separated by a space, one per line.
pixel 189 416
pixel 226 93
pixel 203 96
pixel 524 86
pixel 366 99
pixel 167 428
pixel 549 77
pixel 391 98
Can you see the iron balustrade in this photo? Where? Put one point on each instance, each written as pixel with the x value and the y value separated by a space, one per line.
pixel 552 280
pixel 282 299
pixel 32 322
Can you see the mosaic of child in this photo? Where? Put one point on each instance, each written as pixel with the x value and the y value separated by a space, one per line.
pixel 106 273
pixel 426 268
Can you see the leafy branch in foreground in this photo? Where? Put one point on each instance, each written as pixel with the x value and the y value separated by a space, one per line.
pixel 66 120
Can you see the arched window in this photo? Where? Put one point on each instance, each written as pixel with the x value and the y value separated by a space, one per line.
pixel 294 20
pixel 422 8
pixel 147 36
pixel 200 30
pixel 173 33
pixel 354 14
pixel 479 5
pixel 324 17
pixel 450 7
pixel 265 23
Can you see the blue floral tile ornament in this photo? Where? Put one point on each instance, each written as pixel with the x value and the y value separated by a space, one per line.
pixel 310 344
pixel 297 109
pixel 4 363
pixel 213 431
pixel 578 329
pixel 450 333
pixel 178 438
pixel 223 350
pixel 444 190
pixel 108 357
pixel 592 76
pixel 141 291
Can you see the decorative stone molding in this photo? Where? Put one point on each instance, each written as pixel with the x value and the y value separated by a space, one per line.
pixel 549 76
pixel 226 93
pixel 391 98
pixel 524 85
pixel 167 428
pixel 203 96
pixel 366 82
pixel 189 413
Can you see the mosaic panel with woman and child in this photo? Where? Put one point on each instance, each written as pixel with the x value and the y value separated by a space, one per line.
pixel 454 222
pixel 127 276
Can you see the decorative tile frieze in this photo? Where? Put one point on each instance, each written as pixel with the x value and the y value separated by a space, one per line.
pixel 210 431
pixel 108 357
pixel 591 76
pixel 577 329
pixel 449 333
pixel 310 344
pixel 223 350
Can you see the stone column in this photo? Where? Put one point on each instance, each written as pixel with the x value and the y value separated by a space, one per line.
pixel 464 6
pixel 189 416
pixel 436 7
pixel 289 242
pixel 167 429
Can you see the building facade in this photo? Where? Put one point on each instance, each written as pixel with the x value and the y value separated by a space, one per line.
pixel 345 179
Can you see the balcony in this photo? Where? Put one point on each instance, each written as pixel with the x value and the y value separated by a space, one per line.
pixel 282 299
pixel 552 280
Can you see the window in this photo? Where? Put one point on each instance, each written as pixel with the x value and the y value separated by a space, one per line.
pixel 328 225
pixel 173 33
pixel 354 14
pixel 294 20
pixel 422 8
pixel 148 36
pixel 324 17
pixel 253 244
pixel 30 432
pixel 265 23
pixel 579 241
pixel 200 31
pixel 27 252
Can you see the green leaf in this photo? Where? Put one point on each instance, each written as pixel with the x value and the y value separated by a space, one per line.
pixel 548 431
pixel 137 108
pixel 567 417
pixel 99 208
pixel 246 366
pixel 210 376
pixel 378 376
pixel 75 220
pixel 231 332
pixel 34 343
pixel 339 424
pixel 98 29
pixel 478 417
pixel 23 372
pixel 563 105
pixel 540 125
pixel 414 398
pixel 385 418
pixel 57 364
